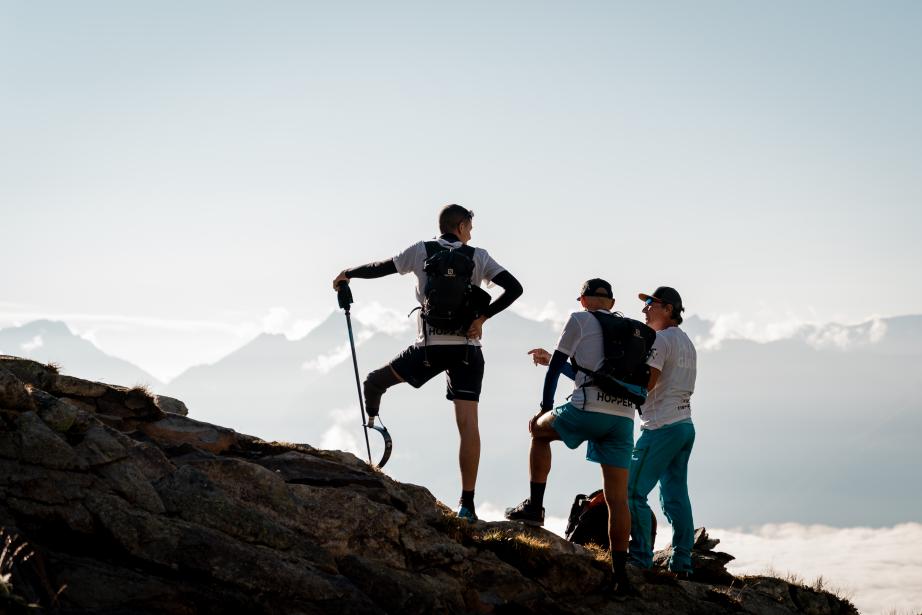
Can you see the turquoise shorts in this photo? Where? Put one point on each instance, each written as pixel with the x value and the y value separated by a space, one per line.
pixel 611 438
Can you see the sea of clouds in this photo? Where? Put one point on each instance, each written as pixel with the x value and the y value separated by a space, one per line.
pixel 879 569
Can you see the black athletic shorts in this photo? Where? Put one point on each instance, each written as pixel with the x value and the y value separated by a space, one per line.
pixel 463 367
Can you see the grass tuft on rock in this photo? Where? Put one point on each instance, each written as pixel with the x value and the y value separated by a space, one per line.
pixel 516 547
pixel 600 553
pixel 141 390
pixel 12 553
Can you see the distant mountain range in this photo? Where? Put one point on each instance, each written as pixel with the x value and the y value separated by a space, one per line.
pixel 53 341
pixel 817 428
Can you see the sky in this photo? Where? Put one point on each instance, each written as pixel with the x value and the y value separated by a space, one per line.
pixel 176 177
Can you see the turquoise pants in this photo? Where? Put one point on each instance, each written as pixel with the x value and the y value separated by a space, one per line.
pixel 661 455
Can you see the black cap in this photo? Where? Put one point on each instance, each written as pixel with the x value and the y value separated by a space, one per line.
pixel 596 287
pixel 665 294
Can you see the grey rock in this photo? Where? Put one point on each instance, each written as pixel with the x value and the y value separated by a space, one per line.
pixel 37 444
pixel 42 484
pixel 13 393
pixel 175 430
pixel 709 566
pixel 29 371
pixel 171 405
pixel 72 516
pixel 128 404
pixel 82 404
pixel 191 495
pixel 128 481
pixel 68 385
pixel 58 414
pixel 101 445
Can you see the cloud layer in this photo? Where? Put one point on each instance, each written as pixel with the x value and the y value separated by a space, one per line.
pixel 879 568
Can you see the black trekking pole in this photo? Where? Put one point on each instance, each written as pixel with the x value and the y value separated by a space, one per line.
pixel 344 296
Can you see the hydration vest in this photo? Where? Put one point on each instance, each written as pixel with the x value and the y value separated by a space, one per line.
pixel 626 347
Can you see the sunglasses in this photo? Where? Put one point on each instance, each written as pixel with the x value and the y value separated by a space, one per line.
pixel 650 301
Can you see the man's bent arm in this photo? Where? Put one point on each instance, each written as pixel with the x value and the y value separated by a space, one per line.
pixel 512 290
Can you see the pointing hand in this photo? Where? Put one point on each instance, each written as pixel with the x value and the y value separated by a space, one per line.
pixel 540 356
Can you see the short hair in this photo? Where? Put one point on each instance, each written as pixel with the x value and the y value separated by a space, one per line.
pixel 451 216
pixel 594 302
pixel 676 313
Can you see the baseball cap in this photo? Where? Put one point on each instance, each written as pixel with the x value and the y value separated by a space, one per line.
pixel 596 287
pixel 665 294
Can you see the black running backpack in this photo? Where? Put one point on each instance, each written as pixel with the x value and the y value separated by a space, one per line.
pixel 588 521
pixel 448 306
pixel 626 347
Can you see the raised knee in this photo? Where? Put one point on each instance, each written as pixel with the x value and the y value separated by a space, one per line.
pixel 376 383
pixel 380 380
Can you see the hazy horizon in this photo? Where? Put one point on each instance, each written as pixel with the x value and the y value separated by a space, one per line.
pixel 131 348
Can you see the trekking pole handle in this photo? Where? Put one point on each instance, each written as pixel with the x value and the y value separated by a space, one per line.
pixel 344 295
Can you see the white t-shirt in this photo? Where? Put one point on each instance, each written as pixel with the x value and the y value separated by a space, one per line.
pixel 670 400
pixel 582 339
pixel 413 259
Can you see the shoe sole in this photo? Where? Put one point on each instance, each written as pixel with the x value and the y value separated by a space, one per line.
pixel 527 522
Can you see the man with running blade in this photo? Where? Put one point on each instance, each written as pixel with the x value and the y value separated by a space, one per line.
pixel 455 352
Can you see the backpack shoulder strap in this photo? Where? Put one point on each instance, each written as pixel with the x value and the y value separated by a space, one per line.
pixel 467 251
pixel 605 320
pixel 580 368
pixel 433 247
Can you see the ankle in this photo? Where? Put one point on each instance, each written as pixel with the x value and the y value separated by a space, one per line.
pixel 618 561
pixel 536 499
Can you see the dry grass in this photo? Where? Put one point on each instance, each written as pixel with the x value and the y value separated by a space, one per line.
pixel 599 553
pixel 54 366
pixel 12 553
pixel 516 547
pixel 141 390
pixel 820 584
pixel 459 530
pixel 518 539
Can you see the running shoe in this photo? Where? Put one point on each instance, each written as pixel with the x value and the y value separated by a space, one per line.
pixel 526 513
pixel 466 513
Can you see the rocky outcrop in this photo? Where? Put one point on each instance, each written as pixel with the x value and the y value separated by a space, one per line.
pixel 128 507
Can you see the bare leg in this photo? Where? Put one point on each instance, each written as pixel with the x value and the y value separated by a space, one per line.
pixel 469 448
pixel 539 454
pixel 619 515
